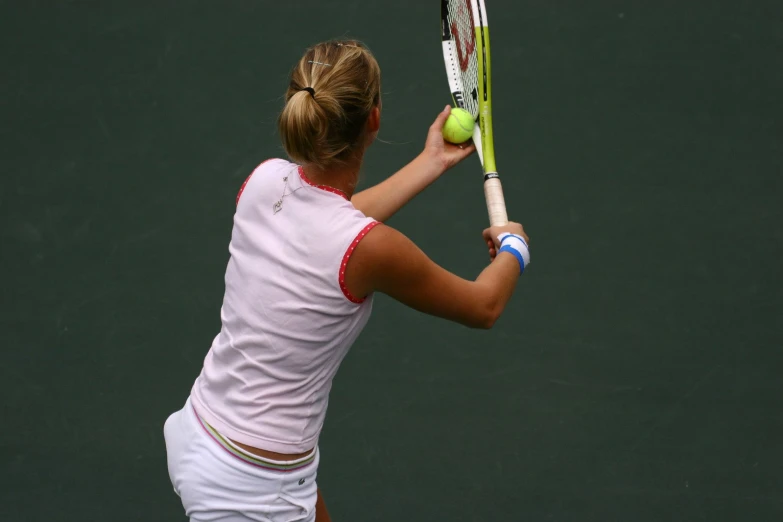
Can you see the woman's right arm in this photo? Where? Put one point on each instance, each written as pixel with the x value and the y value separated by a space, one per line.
pixel 387 261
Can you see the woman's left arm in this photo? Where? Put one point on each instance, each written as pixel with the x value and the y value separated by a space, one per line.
pixel 384 199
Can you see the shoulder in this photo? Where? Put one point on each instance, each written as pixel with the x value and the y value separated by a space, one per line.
pixel 267 166
pixel 380 246
pixel 388 261
pixel 274 164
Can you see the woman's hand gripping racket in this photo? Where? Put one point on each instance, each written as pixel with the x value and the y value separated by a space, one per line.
pixel 466 53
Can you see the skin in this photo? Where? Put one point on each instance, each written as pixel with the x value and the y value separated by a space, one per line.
pixel 321 513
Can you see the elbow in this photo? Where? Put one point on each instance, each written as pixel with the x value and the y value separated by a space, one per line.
pixel 488 316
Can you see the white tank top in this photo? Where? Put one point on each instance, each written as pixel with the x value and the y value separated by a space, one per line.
pixel 287 318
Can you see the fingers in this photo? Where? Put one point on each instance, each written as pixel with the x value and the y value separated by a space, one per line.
pixel 467 148
pixel 491 248
pixel 491 235
pixel 457 153
pixel 490 241
pixel 487 235
pixel 440 121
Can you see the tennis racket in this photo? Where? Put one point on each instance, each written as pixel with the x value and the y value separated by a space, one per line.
pixel 466 53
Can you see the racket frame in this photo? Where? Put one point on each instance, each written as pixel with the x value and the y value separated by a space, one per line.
pixel 483 135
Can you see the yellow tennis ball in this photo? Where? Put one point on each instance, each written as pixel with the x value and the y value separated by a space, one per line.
pixel 459 126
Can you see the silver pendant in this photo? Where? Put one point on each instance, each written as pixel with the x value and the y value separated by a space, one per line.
pixel 278 206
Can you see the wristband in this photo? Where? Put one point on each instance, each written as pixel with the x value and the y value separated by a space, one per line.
pixel 516 246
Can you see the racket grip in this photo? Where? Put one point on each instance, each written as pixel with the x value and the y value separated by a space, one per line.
pixel 496 204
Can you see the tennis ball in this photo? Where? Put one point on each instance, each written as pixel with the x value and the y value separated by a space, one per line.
pixel 459 126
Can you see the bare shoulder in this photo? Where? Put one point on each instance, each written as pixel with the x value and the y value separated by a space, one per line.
pixel 384 247
pixel 380 235
pixel 382 254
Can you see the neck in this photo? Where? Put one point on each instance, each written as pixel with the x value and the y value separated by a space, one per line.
pixel 345 178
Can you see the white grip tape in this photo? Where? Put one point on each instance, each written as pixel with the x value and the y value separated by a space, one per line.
pixel 496 205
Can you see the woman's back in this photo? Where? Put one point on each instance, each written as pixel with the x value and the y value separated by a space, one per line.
pixel 287 318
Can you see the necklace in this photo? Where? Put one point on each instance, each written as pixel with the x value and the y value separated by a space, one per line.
pixel 278 205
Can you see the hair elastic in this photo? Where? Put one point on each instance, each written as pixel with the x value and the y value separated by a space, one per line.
pixel 310 90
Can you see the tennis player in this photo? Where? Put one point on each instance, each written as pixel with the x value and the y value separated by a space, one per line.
pixel 307 255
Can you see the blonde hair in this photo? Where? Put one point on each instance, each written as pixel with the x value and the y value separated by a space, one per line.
pixel 332 91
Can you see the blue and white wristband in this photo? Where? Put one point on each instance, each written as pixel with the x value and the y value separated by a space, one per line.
pixel 517 246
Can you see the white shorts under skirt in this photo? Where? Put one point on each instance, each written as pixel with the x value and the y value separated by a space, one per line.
pixel 218 482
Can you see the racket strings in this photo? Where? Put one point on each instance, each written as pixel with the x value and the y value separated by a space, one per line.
pixel 465 60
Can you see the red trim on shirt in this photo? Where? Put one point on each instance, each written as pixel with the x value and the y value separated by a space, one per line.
pixel 242 188
pixel 322 187
pixel 347 256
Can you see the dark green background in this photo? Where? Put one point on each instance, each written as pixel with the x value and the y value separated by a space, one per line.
pixel 636 376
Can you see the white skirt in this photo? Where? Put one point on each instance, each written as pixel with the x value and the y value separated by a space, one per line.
pixel 218 482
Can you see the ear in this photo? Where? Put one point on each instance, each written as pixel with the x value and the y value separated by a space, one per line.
pixel 373 124
pixel 374 121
